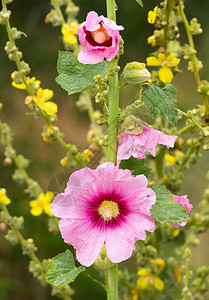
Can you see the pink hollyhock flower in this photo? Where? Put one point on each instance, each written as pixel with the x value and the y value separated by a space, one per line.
pixel 100 38
pixel 185 202
pixel 137 145
pixel 107 205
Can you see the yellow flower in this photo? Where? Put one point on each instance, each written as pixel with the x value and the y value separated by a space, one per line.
pixel 69 31
pixel 177 273
pixel 152 15
pixel 43 203
pixel 63 161
pixel 166 62
pixel 3 197
pixel 151 40
pixel 29 80
pixel 40 99
pixel 160 263
pixel 170 159
pixel 87 153
pixel 146 279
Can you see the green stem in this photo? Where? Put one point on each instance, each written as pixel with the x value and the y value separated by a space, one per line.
pixel 191 42
pixel 111 274
pixel 111 277
pixel 19 236
pixel 58 10
pixel 193 56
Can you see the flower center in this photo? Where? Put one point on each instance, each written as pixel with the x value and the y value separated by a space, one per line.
pixel 108 210
pixel 100 35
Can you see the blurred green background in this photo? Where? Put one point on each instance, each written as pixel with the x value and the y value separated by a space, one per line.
pixel 40 51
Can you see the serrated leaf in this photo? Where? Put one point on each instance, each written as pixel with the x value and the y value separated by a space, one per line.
pixel 62 270
pixel 75 77
pixel 140 3
pixel 165 209
pixel 160 101
pixel 136 166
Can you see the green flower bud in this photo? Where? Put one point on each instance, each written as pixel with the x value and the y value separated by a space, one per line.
pixel 195 27
pixel 136 73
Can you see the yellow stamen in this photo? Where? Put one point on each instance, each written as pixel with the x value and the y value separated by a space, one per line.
pixel 108 210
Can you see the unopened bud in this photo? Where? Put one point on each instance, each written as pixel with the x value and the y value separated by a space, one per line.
pixel 136 73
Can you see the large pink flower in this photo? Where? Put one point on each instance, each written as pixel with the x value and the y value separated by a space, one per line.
pixel 185 202
pixel 100 38
pixel 107 205
pixel 137 145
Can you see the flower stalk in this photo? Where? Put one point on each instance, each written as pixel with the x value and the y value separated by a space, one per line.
pixel 113 96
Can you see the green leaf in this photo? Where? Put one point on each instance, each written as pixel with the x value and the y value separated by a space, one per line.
pixel 136 166
pixel 165 209
pixel 160 101
pixel 75 77
pixel 62 270
pixel 140 3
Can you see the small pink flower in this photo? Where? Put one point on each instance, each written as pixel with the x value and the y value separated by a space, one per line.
pixel 100 38
pixel 137 145
pixel 107 205
pixel 185 202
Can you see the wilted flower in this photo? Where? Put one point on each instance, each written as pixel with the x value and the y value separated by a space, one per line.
pixel 185 202
pixel 137 145
pixel 107 205
pixel 100 38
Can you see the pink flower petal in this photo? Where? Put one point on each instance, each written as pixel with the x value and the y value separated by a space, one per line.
pixel 137 145
pixel 120 244
pixel 93 51
pixel 87 57
pixel 87 229
pixel 87 240
pixel 183 200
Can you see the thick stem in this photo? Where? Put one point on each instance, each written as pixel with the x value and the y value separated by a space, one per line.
pixel 113 96
pixel 111 276
pixel 113 114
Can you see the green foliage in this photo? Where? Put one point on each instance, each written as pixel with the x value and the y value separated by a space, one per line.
pixel 136 166
pixel 75 77
pixel 165 209
pixel 62 270
pixel 160 101
pixel 140 3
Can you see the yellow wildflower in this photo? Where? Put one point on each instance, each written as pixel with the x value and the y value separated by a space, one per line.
pixel 3 197
pixel 151 40
pixel 152 15
pixel 69 31
pixel 40 99
pixel 170 159
pixel 50 130
pixel 43 203
pixel 176 232
pixel 29 80
pixel 160 263
pixel 166 63
pixel 63 161
pixel 87 153
pixel 177 273
pixel 146 279
pixel 134 293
